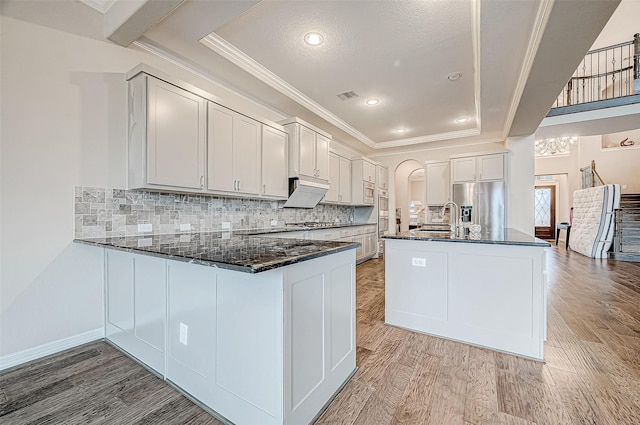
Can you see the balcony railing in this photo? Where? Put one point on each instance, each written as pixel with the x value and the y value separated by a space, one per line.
pixel 606 73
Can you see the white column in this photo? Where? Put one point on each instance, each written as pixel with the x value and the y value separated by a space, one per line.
pixel 520 184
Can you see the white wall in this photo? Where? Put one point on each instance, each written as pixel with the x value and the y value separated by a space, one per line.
pixel 63 124
pixel 520 184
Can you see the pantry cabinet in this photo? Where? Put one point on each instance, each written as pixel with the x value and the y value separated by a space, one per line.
pixel 437 181
pixel 167 135
pixel 383 177
pixel 233 151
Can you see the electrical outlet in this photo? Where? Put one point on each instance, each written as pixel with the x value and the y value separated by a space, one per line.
pixel 274 223
pixel 624 186
pixel 419 262
pixel 184 334
pixel 145 242
pixel 185 227
pixel 226 225
pixel 145 228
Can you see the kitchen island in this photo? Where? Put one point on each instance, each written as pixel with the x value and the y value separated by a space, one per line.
pixel 487 291
pixel 257 329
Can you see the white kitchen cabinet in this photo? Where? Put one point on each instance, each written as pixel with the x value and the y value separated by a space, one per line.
pixel 233 152
pixel 167 131
pixel 478 168
pixel 136 306
pixel 437 180
pixel 383 177
pixel 370 244
pixel 364 170
pixel 339 180
pixel 308 150
pixel 275 154
pixel 363 182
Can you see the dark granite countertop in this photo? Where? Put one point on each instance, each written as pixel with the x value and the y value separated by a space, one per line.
pixel 506 236
pixel 244 253
pixel 298 228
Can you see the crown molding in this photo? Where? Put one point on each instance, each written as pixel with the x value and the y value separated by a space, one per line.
pixel 477 50
pixel 100 5
pixel 429 138
pixel 153 48
pixel 433 148
pixel 542 17
pixel 228 51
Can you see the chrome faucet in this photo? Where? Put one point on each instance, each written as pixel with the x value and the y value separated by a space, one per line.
pixel 454 222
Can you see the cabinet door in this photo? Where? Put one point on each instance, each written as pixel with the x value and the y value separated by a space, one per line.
pixel 383 177
pixel 345 180
pixel 308 152
pixel 176 126
pixel 464 169
pixel 491 167
pixel 438 186
pixel 220 149
pixel 368 172
pixel 246 153
pixel 322 157
pixel 275 180
pixel 333 194
pixel 360 251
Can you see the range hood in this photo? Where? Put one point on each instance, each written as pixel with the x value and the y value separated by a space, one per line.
pixel 305 193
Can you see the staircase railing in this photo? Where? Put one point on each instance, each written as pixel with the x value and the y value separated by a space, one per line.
pixel 606 73
pixel 590 177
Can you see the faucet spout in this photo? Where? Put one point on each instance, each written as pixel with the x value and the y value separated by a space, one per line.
pixel 453 217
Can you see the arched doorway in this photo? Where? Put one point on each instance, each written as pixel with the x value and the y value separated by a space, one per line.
pixel 409 184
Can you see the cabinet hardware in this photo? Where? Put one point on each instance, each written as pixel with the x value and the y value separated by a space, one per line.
pixel 264 188
pixel 201 181
pixel 238 185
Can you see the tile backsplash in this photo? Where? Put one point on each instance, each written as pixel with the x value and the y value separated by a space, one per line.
pixel 101 212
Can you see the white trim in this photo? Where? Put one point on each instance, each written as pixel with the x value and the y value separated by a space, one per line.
pixel 430 138
pixel 100 5
pixel 477 50
pixel 151 47
pixel 234 55
pixel 544 11
pixel 428 148
pixel 49 348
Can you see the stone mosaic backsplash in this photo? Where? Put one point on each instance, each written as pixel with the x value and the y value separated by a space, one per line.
pixel 103 212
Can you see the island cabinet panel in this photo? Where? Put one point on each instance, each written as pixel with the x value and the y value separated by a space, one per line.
pixel 136 306
pixel 419 296
pixel 490 295
pixel 319 323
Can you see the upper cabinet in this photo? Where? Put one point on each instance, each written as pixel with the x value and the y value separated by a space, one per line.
pixel 233 152
pixel 363 182
pixel 308 150
pixel 383 177
pixel 437 181
pixel 167 135
pixel 275 153
pixel 339 180
pixel 478 168
pixel 179 140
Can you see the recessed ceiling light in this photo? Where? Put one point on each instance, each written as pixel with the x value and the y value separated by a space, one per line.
pixel 454 76
pixel 461 120
pixel 313 39
pixel 372 101
pixel 401 130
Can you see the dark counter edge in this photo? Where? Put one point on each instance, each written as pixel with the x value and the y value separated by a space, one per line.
pixel 245 269
pixel 417 237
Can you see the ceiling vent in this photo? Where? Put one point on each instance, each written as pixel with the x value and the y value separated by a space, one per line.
pixel 347 95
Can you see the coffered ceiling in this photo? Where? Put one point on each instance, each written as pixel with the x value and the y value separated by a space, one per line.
pixel 399 52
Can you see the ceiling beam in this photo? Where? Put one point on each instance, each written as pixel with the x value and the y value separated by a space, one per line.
pixel 127 20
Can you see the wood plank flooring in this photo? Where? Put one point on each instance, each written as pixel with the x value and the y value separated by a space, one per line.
pixel 592 373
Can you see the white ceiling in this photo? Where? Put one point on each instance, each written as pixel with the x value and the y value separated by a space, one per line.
pixel 399 51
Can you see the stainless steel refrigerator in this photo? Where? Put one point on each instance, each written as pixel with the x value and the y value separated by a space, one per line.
pixel 487 200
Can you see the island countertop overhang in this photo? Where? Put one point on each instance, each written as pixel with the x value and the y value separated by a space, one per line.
pixel 506 236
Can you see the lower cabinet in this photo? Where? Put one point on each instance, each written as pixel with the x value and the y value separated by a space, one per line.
pixel 136 306
pixel 265 348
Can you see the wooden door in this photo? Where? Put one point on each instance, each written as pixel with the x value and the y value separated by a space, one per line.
pixel 545 212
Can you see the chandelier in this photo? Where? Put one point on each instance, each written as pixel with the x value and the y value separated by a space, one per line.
pixel 554 145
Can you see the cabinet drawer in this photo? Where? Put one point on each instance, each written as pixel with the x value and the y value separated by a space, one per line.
pixel 358 230
pixel 346 233
pixel 370 229
pixel 325 235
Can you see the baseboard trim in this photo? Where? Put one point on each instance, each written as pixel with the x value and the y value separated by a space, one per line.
pixel 50 348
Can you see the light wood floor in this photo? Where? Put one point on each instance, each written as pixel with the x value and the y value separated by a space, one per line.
pixel 592 374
